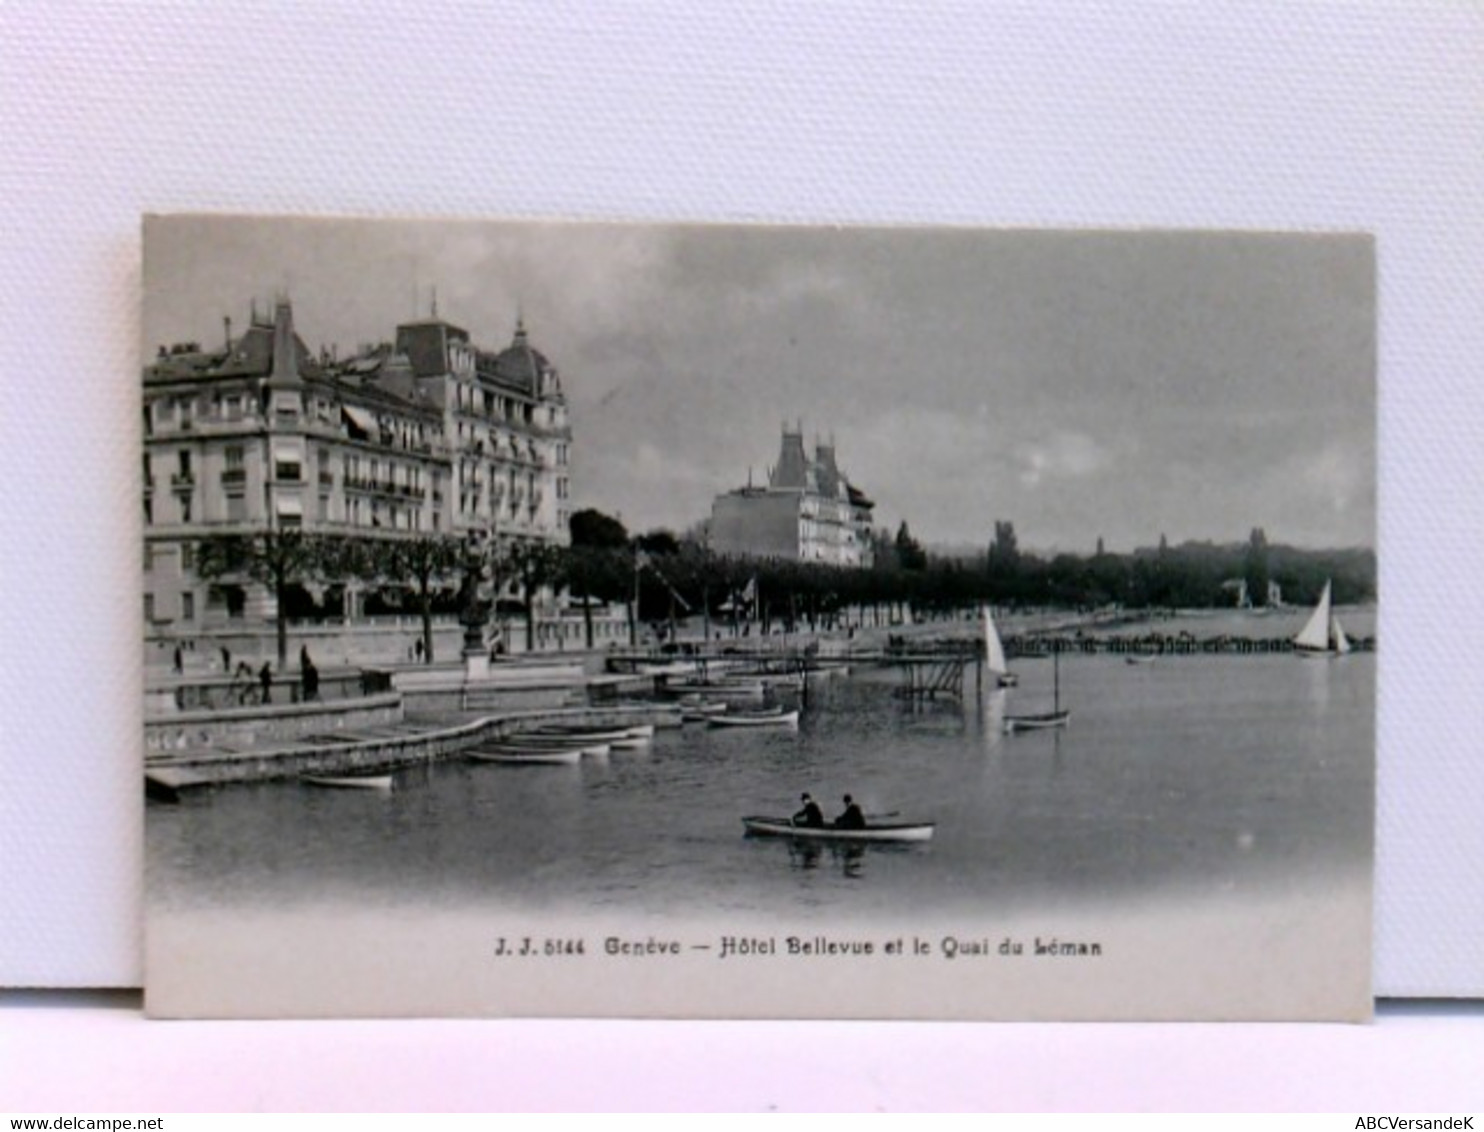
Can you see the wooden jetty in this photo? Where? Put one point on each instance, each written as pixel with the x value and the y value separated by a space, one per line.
pixel 942 671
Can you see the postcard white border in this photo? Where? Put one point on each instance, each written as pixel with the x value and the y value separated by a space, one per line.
pixel 1268 115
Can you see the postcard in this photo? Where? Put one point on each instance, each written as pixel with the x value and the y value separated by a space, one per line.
pixel 747 621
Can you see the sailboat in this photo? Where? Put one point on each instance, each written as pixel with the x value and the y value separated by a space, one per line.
pixel 1056 717
pixel 1322 635
pixel 994 653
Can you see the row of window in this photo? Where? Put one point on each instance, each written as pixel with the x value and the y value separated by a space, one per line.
pixel 182 412
pixel 286 467
pixel 187 556
pixel 358 512
pixel 505 446
pixel 471 399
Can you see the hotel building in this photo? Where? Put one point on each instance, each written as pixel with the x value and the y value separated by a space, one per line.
pixel 809 512
pixel 426 434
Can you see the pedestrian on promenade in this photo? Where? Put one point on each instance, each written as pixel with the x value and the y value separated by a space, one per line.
pixel 308 675
pixel 265 677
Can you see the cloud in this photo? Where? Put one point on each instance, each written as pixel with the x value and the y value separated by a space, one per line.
pixel 656 487
pixel 1064 456
pixel 1338 475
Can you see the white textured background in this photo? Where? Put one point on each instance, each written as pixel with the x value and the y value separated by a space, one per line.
pixel 1270 115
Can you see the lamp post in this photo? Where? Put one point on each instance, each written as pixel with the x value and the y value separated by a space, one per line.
pixel 473 610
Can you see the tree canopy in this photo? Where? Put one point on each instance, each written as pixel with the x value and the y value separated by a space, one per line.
pixel 592 528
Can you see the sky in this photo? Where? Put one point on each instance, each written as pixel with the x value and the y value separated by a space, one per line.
pixel 1120 385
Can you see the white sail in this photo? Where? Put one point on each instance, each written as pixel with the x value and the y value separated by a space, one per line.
pixel 994 651
pixel 1315 633
pixel 1337 634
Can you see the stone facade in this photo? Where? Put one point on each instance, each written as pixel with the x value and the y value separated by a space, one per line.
pixel 424 435
pixel 808 512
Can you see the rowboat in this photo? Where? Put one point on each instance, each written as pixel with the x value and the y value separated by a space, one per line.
pixel 593 734
pixel 755 719
pixel 1042 722
pixel 526 741
pixel 793 680
pixel 613 740
pixel 737 688
pixel 1056 717
pixel 784 827
pixel 699 713
pixel 349 781
pixel 526 755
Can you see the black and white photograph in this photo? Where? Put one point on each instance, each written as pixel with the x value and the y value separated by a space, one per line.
pixel 757 621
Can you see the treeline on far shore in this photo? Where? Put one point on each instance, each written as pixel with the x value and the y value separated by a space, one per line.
pixel 681 577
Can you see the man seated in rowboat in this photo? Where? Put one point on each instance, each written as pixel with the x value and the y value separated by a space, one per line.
pixel 852 817
pixel 811 815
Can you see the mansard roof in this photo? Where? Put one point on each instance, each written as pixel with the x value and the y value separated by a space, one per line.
pixel 249 355
pixel 520 366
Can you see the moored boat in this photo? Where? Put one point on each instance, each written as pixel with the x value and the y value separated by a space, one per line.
pixel 349 781
pixel 755 719
pixel 699 713
pixel 529 741
pixel 595 734
pixel 1042 721
pixel 526 755
pixel 759 826
pixel 737 689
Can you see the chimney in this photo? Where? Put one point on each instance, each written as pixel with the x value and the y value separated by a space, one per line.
pixel 285 359
pixel 227 330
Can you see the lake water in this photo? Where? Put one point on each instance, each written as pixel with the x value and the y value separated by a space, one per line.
pixel 1208 818
pixel 1232 772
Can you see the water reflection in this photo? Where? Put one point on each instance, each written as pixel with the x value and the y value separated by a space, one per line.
pixel 992 718
pixel 848 859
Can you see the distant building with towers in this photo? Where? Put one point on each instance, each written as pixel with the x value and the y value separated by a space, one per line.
pixel 425 434
pixel 808 512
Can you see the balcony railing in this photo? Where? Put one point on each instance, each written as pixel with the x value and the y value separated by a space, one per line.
pixel 182 479
pixel 234 476
pixel 377 487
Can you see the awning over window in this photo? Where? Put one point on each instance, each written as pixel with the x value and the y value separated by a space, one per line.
pixel 289 505
pixel 362 420
pixel 283 454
